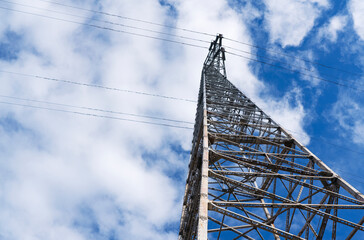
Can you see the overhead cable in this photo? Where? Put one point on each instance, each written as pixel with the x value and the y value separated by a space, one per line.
pixel 202 33
pixel 109 22
pixel 294 71
pixel 192 45
pixel 106 28
pixel 95 109
pixel 149 30
pixel 286 64
pixel 290 56
pixel 95 115
pixel 129 18
pixel 97 86
pixel 131 120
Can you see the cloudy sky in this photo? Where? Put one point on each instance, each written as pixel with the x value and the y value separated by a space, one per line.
pixel 80 155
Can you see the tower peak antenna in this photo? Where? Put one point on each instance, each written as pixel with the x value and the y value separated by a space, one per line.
pixel 216 56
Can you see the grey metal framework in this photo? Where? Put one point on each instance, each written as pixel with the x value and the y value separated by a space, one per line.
pixel 250 179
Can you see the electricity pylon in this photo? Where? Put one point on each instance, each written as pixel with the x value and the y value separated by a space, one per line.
pixel 250 179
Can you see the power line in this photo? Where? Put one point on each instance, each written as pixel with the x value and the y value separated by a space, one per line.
pixel 295 71
pixel 152 31
pixel 129 18
pixel 131 120
pixel 123 25
pixel 106 28
pixel 109 22
pixel 95 115
pixel 294 57
pixel 202 33
pixel 193 45
pixel 143 93
pixel 289 65
pixel 97 86
pixel 95 109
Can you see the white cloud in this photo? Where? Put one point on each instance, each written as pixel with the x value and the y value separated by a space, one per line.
pixel 65 176
pixel 288 22
pixel 357 11
pixel 330 31
pixel 358 131
pixel 249 12
pixel 289 113
pixel 349 115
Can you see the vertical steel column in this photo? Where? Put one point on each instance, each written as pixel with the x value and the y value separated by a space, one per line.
pixel 203 209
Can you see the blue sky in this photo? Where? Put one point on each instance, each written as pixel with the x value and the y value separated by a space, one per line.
pixel 72 176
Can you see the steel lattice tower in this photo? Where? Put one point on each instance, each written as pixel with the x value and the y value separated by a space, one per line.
pixel 250 179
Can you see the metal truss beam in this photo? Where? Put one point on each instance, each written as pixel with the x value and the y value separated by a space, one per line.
pixel 250 179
